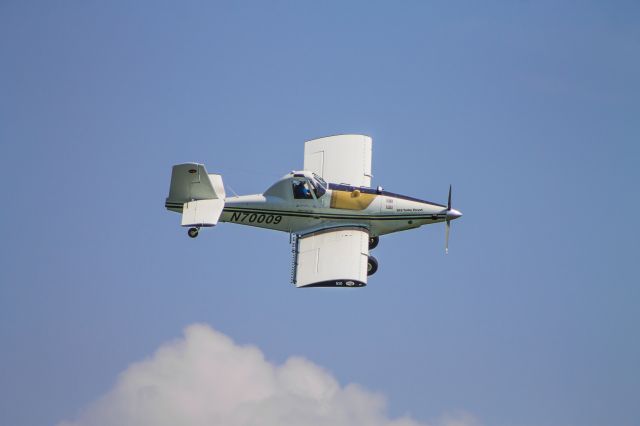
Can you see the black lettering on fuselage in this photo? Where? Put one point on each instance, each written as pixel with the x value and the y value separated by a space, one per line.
pixel 244 217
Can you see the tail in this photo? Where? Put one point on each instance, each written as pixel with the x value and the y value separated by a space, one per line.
pixel 199 196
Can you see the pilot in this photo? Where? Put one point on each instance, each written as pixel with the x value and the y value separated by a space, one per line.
pixel 300 190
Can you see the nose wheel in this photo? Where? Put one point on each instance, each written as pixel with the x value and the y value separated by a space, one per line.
pixel 193 232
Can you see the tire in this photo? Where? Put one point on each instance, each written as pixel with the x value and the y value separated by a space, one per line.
pixel 192 232
pixel 373 242
pixel 372 266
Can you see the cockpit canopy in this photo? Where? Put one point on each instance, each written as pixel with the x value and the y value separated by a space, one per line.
pixel 299 185
pixel 306 183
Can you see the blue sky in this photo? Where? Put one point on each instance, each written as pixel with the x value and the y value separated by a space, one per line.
pixel 530 110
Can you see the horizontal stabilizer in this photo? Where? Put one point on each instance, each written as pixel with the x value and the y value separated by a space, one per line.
pixel 202 212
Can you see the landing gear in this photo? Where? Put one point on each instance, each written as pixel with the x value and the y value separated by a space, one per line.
pixel 373 242
pixel 192 232
pixel 372 265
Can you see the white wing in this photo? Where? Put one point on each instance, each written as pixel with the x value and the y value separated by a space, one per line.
pixel 340 159
pixel 334 257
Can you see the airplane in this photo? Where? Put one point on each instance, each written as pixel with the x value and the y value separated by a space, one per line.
pixel 332 214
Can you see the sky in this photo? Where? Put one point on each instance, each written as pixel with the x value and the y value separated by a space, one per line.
pixel 110 314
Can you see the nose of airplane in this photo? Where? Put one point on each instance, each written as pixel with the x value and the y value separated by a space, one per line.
pixel 453 214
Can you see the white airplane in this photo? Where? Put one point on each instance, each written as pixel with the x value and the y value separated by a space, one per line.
pixel 330 211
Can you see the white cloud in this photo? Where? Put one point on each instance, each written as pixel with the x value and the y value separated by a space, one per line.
pixel 207 379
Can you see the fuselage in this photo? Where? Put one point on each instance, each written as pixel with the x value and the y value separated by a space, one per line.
pixel 379 211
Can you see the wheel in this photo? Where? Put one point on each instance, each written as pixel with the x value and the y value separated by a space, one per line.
pixel 373 242
pixel 372 265
pixel 192 232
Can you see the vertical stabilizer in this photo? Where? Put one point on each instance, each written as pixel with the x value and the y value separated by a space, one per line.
pixel 198 195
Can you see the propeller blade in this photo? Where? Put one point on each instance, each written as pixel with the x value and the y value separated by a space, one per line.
pixel 447 228
pixel 446 236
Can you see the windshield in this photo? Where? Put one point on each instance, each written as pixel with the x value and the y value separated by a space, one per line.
pixel 320 185
pixel 320 181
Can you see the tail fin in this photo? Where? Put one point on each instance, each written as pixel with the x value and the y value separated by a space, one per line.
pixel 199 196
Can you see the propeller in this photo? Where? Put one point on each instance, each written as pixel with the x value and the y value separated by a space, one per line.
pixel 451 214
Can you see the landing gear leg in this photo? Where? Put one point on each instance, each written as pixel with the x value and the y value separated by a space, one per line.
pixel 192 232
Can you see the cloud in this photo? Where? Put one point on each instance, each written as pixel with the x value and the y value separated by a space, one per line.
pixel 207 379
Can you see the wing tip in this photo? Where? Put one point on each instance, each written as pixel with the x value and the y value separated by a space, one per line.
pixel 335 283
